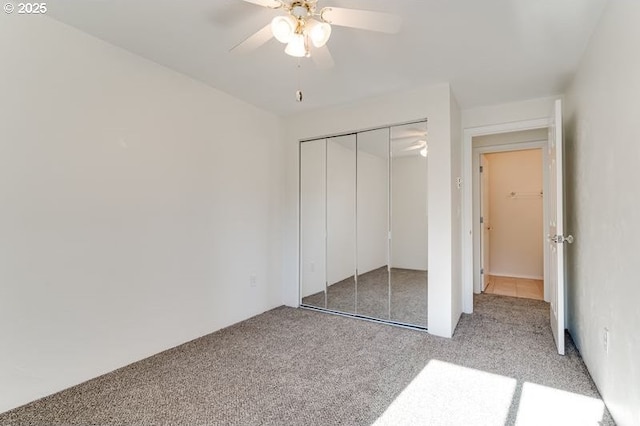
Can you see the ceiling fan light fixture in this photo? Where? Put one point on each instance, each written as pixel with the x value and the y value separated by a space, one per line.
pixel 297 46
pixel 319 32
pixel 283 28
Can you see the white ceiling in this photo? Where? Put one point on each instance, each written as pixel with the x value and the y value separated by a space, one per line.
pixel 491 51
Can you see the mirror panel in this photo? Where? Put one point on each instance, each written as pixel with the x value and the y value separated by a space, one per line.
pixel 313 223
pixel 341 223
pixel 409 224
pixel 373 224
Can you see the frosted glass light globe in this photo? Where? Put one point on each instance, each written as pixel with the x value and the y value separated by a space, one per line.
pixel 283 28
pixel 319 32
pixel 296 47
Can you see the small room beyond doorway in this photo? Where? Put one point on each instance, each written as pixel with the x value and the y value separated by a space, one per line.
pixel 510 207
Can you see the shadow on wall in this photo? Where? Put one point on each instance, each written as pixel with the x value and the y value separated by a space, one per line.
pixel 570 208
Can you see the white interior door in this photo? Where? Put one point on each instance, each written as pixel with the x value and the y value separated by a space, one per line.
pixel 556 237
pixel 486 221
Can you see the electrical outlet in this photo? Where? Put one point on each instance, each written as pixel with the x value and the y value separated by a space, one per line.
pixel 605 340
pixel 253 280
pixel 459 182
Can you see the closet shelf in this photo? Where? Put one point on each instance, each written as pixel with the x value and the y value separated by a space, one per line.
pixel 524 195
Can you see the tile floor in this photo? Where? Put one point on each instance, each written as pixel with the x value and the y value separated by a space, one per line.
pixel 516 287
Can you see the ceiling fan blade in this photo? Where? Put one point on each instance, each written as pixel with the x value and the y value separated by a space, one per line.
pixel 253 41
pixel 409 134
pixel 417 132
pixel 419 144
pixel 415 136
pixel 271 4
pixel 362 19
pixel 322 58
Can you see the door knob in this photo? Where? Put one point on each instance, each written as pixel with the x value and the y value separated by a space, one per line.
pixel 559 239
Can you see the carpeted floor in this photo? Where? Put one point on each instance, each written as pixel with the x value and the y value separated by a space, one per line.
pixel 407 304
pixel 299 367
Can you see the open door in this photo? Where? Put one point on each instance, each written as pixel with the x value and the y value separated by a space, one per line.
pixel 484 220
pixel 556 238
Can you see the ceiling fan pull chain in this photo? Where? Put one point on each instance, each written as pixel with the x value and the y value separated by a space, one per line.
pixel 299 91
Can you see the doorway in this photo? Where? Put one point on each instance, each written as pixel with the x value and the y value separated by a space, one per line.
pixel 553 212
pixel 511 217
pixel 509 178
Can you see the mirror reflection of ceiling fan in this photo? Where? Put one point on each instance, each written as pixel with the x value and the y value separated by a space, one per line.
pixel 421 145
pixel 411 140
pixel 305 27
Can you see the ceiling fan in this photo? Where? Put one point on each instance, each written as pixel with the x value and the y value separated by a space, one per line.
pixel 305 26
pixel 421 145
pixel 411 140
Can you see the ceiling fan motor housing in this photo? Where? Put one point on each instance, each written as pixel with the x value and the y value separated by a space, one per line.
pixel 300 9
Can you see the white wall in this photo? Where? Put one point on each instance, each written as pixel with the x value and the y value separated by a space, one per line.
pixel 603 158
pixel 516 245
pixel 530 109
pixel 432 102
pixel 129 222
pixel 409 213
pixel 508 138
pixel 456 209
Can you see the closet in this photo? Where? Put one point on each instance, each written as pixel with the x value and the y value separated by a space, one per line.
pixel 363 224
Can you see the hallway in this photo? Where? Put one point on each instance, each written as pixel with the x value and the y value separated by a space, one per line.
pixel 515 287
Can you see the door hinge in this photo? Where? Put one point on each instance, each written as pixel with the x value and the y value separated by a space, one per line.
pixel 481 169
pixel 482 271
pixel 481 220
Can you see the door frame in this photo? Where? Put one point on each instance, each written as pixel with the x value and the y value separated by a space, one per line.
pixel 485 217
pixel 468 234
pixel 477 234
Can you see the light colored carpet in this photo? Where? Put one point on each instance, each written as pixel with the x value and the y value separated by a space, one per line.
pixel 299 367
pixel 407 304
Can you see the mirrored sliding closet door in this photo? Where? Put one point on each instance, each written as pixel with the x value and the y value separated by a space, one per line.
pixel 363 224
pixel 408 296
pixel 341 223
pixel 373 224
pixel 313 223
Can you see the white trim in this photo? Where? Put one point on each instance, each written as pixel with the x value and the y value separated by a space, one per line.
pixel 467 196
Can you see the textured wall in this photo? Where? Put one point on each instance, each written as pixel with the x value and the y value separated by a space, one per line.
pixel 136 203
pixel 603 158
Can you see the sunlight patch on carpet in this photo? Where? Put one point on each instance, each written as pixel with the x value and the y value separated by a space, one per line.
pixel 447 394
pixel 542 405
